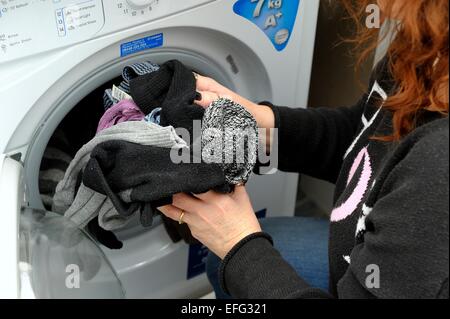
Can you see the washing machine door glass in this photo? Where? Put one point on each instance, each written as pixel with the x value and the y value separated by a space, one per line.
pixel 58 260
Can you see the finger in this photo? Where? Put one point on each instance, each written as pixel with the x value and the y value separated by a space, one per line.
pixel 203 83
pixel 170 211
pixel 188 203
pixel 174 213
pixel 205 98
pixel 228 97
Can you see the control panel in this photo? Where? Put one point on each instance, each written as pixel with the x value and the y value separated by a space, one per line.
pixel 29 27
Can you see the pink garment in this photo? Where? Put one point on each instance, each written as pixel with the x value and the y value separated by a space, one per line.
pixel 124 111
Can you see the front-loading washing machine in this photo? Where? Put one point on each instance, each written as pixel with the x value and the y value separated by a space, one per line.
pixel 55 53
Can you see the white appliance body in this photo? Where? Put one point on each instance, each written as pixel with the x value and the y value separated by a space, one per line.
pixel 55 52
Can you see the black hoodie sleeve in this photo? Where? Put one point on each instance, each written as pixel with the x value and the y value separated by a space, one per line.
pixel 314 141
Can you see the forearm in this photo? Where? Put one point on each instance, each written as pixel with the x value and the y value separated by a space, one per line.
pixel 313 141
pixel 304 135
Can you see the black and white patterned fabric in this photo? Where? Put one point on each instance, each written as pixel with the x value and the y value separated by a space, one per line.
pixel 230 138
pixel 128 73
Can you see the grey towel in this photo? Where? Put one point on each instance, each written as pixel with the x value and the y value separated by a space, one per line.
pixel 83 205
pixel 89 203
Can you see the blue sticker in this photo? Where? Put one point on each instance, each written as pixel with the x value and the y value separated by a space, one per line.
pixel 276 18
pixel 138 45
pixel 198 254
pixel 197 260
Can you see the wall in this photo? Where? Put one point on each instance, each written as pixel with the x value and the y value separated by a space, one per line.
pixel 334 83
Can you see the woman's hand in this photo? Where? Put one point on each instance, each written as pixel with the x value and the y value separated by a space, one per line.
pixel 219 221
pixel 210 90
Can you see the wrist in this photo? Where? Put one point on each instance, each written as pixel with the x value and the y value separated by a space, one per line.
pixel 232 242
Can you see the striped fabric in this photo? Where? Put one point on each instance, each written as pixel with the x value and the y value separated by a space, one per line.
pixel 54 164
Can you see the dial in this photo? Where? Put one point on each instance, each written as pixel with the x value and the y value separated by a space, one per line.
pixel 137 8
pixel 139 4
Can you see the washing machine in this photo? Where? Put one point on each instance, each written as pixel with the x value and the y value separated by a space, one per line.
pixel 54 53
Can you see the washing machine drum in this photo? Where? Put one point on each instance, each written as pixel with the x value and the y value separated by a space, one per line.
pixel 58 260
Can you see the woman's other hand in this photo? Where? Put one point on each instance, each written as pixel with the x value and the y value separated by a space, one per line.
pixel 219 221
pixel 210 90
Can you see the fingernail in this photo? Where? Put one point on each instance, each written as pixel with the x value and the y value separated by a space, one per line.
pixel 198 96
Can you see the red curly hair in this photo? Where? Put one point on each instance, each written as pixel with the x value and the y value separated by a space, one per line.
pixel 418 57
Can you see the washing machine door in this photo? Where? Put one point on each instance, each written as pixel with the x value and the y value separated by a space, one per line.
pixel 47 255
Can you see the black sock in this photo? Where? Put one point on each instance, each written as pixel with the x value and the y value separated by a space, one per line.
pixel 173 88
pixel 104 237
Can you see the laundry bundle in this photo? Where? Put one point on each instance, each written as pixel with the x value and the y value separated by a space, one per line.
pixel 131 167
pixel 81 204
